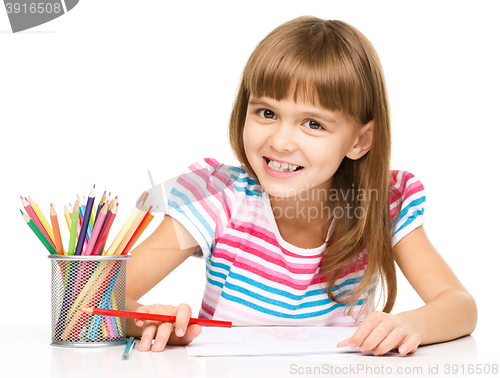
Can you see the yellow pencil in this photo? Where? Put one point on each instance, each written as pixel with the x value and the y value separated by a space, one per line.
pixel 123 231
pixel 42 219
pixel 133 227
pixel 67 216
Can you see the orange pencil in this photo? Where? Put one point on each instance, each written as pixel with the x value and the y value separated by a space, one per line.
pixel 141 215
pixel 57 231
pixel 147 219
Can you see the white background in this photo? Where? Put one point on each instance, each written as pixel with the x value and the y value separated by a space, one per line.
pixel 115 88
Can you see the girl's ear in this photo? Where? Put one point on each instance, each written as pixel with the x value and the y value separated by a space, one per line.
pixel 363 142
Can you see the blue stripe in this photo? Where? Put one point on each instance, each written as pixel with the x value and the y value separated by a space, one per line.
pixel 276 302
pixel 245 178
pixel 176 207
pixel 410 219
pixel 281 314
pixel 215 283
pixel 287 294
pixel 247 191
pixel 416 202
pixel 218 274
pixel 195 212
pixel 219 265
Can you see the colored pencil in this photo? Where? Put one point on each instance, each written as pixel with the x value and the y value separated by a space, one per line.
pixel 57 231
pixel 85 221
pixel 34 218
pixel 82 214
pixel 42 219
pixel 90 294
pixel 122 232
pixel 95 232
pixel 133 227
pixel 74 226
pixel 147 219
pixel 67 216
pixel 155 317
pixel 39 234
pixel 105 230
pixel 129 348
pixel 101 202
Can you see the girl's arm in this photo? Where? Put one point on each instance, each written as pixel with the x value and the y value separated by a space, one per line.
pixel 152 261
pixel 449 311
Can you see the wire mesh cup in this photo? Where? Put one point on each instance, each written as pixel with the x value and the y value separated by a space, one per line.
pixel 87 281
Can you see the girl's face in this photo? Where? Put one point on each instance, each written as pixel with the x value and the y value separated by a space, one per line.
pixel 314 139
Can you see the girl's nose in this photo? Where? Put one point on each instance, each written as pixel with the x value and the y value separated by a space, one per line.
pixel 282 137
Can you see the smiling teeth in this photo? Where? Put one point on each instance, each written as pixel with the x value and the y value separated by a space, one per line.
pixel 282 167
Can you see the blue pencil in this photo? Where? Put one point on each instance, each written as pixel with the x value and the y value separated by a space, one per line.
pixel 85 221
pixel 129 348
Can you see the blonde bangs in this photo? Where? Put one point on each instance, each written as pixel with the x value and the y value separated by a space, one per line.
pixel 314 64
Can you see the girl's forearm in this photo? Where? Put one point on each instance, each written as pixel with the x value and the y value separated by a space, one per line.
pixel 450 315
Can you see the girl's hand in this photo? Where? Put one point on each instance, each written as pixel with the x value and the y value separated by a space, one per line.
pixel 381 332
pixel 163 332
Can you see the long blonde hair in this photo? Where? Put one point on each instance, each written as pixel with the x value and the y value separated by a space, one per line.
pixel 334 63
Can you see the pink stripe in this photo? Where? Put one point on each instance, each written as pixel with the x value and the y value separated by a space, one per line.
pixel 198 193
pixel 268 255
pixel 209 207
pixel 218 194
pixel 208 309
pixel 273 276
pixel 354 267
pixel 213 290
pixel 270 238
pixel 413 188
pixel 222 254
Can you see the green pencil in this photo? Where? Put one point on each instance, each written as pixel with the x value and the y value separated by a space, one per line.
pixel 74 226
pixel 38 233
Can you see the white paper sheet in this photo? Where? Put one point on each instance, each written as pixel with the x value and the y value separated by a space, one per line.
pixel 267 341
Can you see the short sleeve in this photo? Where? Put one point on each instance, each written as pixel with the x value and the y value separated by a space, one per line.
pixel 201 200
pixel 408 195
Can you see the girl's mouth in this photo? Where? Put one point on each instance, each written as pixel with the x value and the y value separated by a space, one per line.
pixel 282 167
pixel 280 170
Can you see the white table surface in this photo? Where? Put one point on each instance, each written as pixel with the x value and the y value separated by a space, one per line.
pixel 26 352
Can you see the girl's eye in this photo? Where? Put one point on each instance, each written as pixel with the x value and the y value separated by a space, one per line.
pixel 313 125
pixel 266 113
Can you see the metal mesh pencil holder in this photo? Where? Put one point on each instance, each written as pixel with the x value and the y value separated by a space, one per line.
pixel 87 281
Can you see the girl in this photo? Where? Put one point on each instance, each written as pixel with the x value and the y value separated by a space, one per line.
pixel 312 222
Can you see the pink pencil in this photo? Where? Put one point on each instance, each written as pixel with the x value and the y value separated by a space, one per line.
pixel 97 227
pixel 35 219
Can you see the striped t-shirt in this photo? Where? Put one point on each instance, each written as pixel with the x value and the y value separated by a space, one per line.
pixel 254 277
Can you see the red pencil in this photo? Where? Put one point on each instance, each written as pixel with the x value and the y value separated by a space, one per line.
pixel 157 317
pixel 104 231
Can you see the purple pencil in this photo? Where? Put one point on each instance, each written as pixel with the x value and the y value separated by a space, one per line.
pixel 85 221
